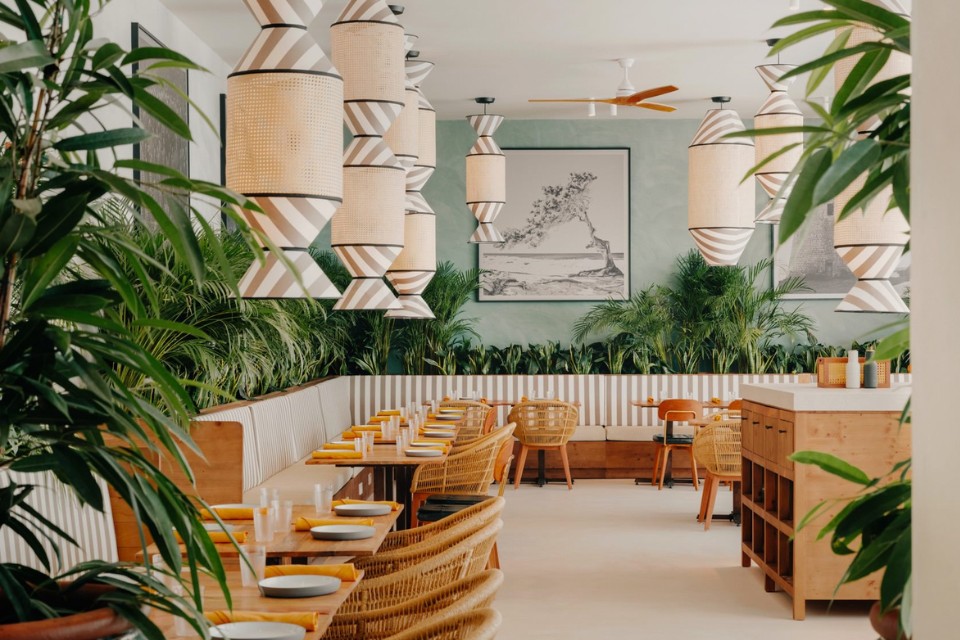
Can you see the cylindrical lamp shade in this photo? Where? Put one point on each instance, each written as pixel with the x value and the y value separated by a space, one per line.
pixel 367 232
pixel 486 178
pixel 720 214
pixel 871 243
pixel 284 146
pixel 777 111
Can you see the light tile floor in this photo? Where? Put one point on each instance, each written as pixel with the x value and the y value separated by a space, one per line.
pixel 614 560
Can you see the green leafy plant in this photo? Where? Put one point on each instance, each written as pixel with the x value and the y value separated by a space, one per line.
pixel 78 394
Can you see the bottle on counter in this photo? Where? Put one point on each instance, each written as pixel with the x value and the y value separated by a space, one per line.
pixel 853 369
pixel 870 371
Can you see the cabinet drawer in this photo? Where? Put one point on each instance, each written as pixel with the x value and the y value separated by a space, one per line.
pixel 768 425
pixel 785 444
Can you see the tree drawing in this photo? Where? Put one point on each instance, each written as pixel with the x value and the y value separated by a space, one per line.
pixel 561 204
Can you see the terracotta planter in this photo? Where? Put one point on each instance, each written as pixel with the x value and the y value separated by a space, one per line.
pixel 89 625
pixel 887 624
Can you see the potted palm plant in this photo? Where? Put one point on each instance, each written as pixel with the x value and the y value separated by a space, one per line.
pixel 64 410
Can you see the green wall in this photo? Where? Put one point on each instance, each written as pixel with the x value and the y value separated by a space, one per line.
pixel 658 221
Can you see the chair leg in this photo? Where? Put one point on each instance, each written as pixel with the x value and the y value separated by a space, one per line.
pixel 494 561
pixel 519 472
pixel 416 499
pixel 705 497
pixel 656 464
pixel 665 458
pixel 566 466
pixel 708 517
pixel 693 469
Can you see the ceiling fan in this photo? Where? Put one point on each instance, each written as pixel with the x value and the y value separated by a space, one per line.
pixel 627 95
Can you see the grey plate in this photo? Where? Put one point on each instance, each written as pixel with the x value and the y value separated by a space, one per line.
pixel 439 434
pixel 343 532
pixel 214 526
pixel 423 453
pixel 362 510
pixel 449 416
pixel 305 586
pixel 258 631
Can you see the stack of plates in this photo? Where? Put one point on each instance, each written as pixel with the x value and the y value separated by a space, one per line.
pixel 362 510
pixel 306 586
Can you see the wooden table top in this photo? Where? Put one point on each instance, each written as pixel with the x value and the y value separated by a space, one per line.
pixel 723 404
pixel 707 421
pixel 385 455
pixel 300 544
pixel 249 599
pixel 510 403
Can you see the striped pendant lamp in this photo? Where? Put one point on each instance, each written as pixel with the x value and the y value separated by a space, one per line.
pixel 720 209
pixel 414 268
pixel 284 146
pixel 367 232
pixel 776 112
pixel 871 241
pixel 486 175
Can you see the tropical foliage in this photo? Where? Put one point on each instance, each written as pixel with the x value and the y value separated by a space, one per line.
pixel 79 396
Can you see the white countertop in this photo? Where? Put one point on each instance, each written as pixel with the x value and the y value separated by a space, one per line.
pixel 810 397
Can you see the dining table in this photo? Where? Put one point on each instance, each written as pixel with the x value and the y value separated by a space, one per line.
pixel 250 599
pixel 289 544
pixel 392 472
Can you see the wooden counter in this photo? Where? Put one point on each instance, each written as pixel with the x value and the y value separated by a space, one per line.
pixel 859 426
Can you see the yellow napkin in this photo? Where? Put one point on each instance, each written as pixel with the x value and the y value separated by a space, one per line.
pixel 379 419
pixel 357 428
pixel 221 537
pixel 346 572
pixel 334 446
pixel 236 513
pixel 649 399
pixel 718 417
pixel 715 400
pixel 388 412
pixel 523 399
pixel 344 455
pixel 309 620
pixel 305 524
pixel 441 424
pixel 393 505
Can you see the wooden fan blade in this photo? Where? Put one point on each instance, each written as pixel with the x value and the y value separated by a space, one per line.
pixel 603 100
pixel 655 106
pixel 652 93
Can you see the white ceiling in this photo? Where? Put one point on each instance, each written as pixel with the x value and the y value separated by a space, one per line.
pixel 520 49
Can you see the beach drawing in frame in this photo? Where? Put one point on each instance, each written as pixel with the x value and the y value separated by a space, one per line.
pixel 817 262
pixel 566 226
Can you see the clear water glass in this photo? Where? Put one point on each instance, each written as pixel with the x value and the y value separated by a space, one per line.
pixel 263 524
pixel 322 498
pixel 256 556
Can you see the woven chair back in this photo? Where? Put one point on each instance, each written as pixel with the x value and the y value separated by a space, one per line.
pixel 467 470
pixel 717 447
pixel 463 559
pixel 481 624
pixel 544 423
pixel 475 421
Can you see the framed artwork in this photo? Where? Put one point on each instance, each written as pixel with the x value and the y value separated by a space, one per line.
pixel 164 146
pixel 566 226
pixel 810 255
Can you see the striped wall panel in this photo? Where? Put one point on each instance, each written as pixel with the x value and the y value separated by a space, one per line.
pixel 271 427
pixel 335 402
pixel 306 425
pixel 252 472
pixel 92 530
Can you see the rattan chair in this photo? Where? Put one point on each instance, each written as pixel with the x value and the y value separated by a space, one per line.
pixel 478 419
pixel 481 624
pixel 462 596
pixel 468 471
pixel 386 562
pixel 717 448
pixel 544 425
pixel 463 559
pixel 674 410
pixel 483 513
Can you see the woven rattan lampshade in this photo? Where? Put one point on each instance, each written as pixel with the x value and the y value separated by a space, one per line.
pixel 367 232
pixel 871 241
pixel 720 214
pixel 414 268
pixel 284 146
pixel 486 176
pixel 776 112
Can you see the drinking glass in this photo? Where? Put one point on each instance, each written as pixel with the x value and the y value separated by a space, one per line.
pixel 263 524
pixel 285 517
pixel 434 405
pixel 399 444
pixel 264 497
pixel 358 443
pixel 252 573
pixel 322 498
pixel 403 413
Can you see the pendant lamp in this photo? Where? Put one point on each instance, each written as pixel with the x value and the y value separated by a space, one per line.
pixel 778 111
pixel 720 214
pixel 414 268
pixel 486 175
pixel 871 241
pixel 367 231
pixel 284 146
